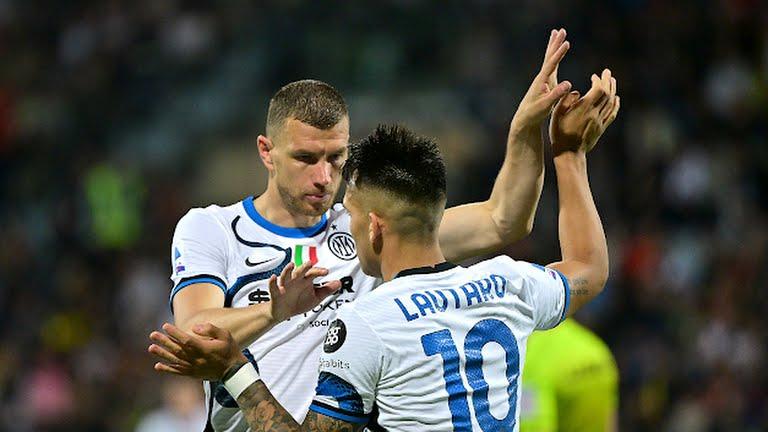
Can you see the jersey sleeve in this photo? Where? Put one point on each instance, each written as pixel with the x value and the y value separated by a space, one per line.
pixel 198 252
pixel 350 367
pixel 546 290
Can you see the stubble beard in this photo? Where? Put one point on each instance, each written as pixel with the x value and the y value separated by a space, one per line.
pixel 297 206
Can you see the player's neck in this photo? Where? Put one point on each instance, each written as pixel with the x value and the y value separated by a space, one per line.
pixel 271 207
pixel 399 255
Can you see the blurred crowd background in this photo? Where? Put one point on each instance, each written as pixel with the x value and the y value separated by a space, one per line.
pixel 116 117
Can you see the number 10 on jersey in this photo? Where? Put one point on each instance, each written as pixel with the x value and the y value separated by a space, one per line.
pixel 486 331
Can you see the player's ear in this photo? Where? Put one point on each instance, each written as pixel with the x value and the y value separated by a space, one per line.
pixel 265 146
pixel 374 232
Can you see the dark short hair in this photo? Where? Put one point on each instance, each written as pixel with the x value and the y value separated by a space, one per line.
pixel 310 101
pixel 396 160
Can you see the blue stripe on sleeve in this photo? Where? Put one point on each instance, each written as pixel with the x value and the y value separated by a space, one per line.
pixel 567 289
pixel 194 280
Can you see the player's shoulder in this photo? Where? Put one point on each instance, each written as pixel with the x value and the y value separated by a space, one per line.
pixel 506 266
pixel 209 214
pixel 502 265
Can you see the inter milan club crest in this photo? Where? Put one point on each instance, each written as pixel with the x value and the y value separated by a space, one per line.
pixel 342 245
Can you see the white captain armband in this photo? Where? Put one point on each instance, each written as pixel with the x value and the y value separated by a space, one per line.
pixel 241 380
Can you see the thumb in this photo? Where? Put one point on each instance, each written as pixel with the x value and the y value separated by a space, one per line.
pixel 556 93
pixel 274 290
pixel 566 103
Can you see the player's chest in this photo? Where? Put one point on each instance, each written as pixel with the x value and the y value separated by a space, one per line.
pixel 252 263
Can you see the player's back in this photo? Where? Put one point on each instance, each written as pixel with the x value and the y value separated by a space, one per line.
pixel 449 344
pixel 578 395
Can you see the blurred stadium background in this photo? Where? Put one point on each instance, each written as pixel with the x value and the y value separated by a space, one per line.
pixel 116 117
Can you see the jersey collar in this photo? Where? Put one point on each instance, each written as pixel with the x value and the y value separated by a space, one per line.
pixel 300 232
pixel 443 266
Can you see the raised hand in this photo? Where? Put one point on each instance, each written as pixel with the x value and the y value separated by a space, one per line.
pixel 544 91
pixel 294 292
pixel 577 123
pixel 207 354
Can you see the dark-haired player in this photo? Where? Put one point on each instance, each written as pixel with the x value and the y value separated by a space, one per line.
pixel 436 347
pixel 224 258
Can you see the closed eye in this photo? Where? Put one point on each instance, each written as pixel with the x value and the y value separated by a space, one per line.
pixel 306 158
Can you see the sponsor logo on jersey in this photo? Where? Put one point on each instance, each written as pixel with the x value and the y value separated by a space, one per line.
pixel 335 337
pixel 258 296
pixel 342 245
pixel 326 363
pixel 264 258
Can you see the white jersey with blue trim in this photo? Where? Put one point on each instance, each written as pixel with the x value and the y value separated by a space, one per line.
pixel 236 249
pixel 438 348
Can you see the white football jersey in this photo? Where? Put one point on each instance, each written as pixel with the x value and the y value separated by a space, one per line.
pixel 438 349
pixel 236 249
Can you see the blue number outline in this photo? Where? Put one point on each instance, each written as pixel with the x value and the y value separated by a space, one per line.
pixel 485 331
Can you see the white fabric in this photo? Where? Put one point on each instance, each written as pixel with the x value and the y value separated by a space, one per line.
pixel 287 354
pixel 383 357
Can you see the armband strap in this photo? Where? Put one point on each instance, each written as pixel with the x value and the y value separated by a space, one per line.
pixel 241 380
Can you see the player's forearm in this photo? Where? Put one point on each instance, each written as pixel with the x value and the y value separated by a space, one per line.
pixel 263 412
pixel 582 238
pixel 246 324
pixel 507 216
pixel 517 189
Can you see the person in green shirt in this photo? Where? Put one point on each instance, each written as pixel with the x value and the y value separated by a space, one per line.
pixel 570 382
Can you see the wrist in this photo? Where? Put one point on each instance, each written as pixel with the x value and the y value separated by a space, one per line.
pixel 570 160
pixel 234 366
pixel 242 378
pixel 265 312
pixel 577 156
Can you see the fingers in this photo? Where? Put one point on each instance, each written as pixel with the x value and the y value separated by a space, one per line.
pixel 607 108
pixel 551 63
pixel 274 290
pixel 176 333
pixel 566 103
pixel 166 356
pixel 316 272
pixel 596 95
pixel 302 270
pixel 327 289
pixel 605 82
pixel 614 112
pixel 284 275
pixel 166 343
pixel 162 367
pixel 210 330
pixel 558 92
pixel 186 341
pixel 556 49
pixel 556 38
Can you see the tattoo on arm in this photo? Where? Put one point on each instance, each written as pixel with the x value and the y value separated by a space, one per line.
pixel 263 413
pixel 578 286
pixel 320 423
